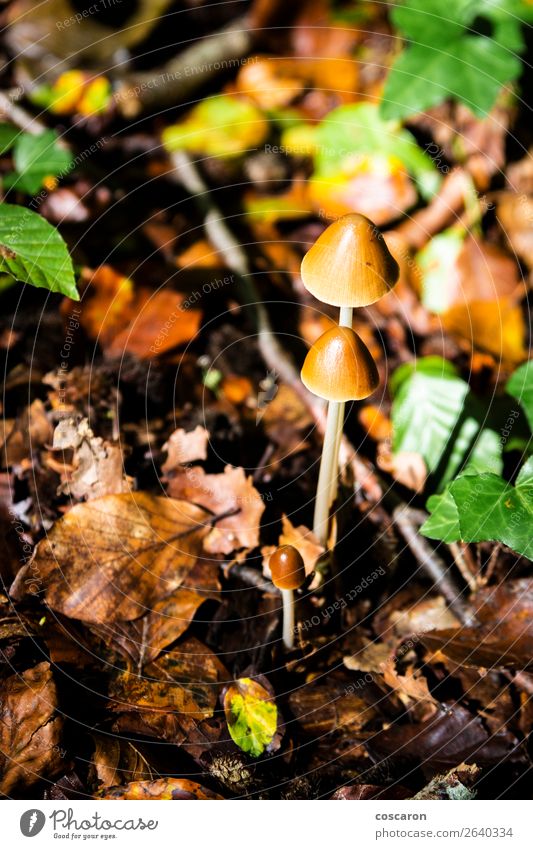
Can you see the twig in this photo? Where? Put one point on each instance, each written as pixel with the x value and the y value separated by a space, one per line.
pixel 408 522
pixel 443 209
pixel 275 357
pixel 253 578
pixel 459 553
pixel 185 74
pixel 19 117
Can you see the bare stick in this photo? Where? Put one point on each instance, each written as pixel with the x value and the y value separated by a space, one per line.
pixel 408 522
pixel 185 74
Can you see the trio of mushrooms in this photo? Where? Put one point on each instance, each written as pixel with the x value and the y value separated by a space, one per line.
pixel 349 266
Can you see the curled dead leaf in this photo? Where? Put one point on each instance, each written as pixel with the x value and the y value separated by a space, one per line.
pixel 185 447
pixel 231 494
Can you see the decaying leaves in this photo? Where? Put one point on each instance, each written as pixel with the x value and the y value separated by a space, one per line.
pixel 231 493
pixel 30 730
pixel 161 788
pixel 114 557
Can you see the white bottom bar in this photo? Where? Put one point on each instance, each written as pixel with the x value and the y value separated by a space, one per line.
pixel 350 825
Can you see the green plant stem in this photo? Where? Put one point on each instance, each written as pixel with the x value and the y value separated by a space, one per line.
pixel 287 597
pixel 329 463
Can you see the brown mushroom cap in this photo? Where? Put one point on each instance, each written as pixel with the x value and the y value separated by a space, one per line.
pixel 349 265
pixel 287 568
pixel 339 366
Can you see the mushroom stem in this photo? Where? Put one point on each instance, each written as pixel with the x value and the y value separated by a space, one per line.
pixel 329 463
pixel 287 597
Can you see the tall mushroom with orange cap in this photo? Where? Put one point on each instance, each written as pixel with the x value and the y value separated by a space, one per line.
pixel 348 266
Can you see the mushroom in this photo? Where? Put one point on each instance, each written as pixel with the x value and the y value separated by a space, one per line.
pixel 339 368
pixel 288 573
pixel 348 266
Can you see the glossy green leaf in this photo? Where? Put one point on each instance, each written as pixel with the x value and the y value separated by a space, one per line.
pixel 32 251
pixel 520 386
pixel 475 508
pixel 435 415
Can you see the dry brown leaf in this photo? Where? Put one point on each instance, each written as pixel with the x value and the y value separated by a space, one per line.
pixel 162 321
pixel 377 425
pixel 30 733
pixel 114 557
pixel 406 467
pixel 370 658
pixel 124 318
pixel 302 539
pixel 408 687
pixel 160 788
pixel 185 447
pixel 185 680
pixel 142 640
pixel 116 761
pixel 497 327
pixel 21 437
pixel 108 303
pixel 230 493
pixel 97 466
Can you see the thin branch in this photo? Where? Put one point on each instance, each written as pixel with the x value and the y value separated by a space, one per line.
pixel 408 522
pixel 184 75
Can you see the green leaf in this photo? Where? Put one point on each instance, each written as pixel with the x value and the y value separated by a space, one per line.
pixel 222 125
pixel 32 251
pixel 358 128
pixel 444 59
pixel 434 415
pixel 475 508
pixel 443 523
pixel 491 509
pixel 37 157
pixel 8 137
pixel 437 263
pixel 520 386
pixel 252 716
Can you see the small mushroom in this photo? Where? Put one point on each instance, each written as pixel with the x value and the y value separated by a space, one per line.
pixel 348 266
pixel 288 573
pixel 338 367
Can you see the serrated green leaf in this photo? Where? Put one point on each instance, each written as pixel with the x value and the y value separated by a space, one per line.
pixel 252 716
pixel 37 157
pixel 358 128
pixel 33 251
pixel 520 386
